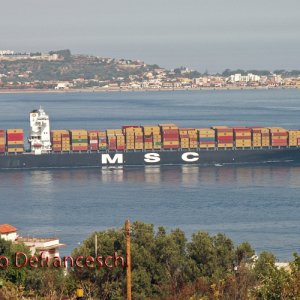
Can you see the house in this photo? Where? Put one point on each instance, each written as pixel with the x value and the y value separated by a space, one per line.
pixel 8 232
pixel 48 246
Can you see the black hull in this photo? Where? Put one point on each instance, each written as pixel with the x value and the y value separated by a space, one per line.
pixel 101 159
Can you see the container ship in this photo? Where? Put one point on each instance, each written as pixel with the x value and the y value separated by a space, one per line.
pixel 136 145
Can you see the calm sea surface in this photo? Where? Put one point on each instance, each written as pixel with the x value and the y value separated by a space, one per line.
pixel 259 204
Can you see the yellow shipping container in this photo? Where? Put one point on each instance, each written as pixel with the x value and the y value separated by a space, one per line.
pixel 206 130
pixel 151 127
pixel 14 130
pixel 168 143
pixel 241 144
pixel 203 146
pixel 118 131
pixel 15 143
pixel 245 134
pixel 139 146
pixel 225 145
pixel 276 129
pixel 110 132
pixel 148 145
pixel 79 131
pixel 15 150
pixel 80 144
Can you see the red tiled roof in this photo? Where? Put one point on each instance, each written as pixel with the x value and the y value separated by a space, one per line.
pixel 6 228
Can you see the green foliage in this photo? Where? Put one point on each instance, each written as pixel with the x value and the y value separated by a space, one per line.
pixel 66 54
pixel 214 256
pixel 164 266
pixel 244 253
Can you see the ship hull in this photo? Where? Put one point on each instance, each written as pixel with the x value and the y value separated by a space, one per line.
pixel 175 157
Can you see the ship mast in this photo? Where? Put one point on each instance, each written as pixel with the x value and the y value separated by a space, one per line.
pixel 40 132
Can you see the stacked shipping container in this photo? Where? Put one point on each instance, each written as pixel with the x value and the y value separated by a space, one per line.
pixel 102 140
pixel 155 137
pixel 15 140
pixel 279 136
pixel 93 140
pixel 56 140
pixel 294 138
pixel 60 140
pixel 256 137
pixel 79 140
pixel 152 137
pixel 2 140
pixel 242 137
pixel 224 136
pixel 193 138
pixel 207 138
pixel 65 141
pixel 170 136
pixel 184 138
pixel 133 136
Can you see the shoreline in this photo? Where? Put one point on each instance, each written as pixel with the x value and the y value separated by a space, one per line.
pixel 107 90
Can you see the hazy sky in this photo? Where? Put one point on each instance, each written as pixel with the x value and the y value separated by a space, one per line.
pixel 209 34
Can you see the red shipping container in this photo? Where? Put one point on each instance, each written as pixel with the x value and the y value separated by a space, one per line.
pixel 121 148
pixel 171 146
pixel 241 129
pixel 171 135
pixel 15 136
pixel 225 138
pixel 279 141
pixel 79 148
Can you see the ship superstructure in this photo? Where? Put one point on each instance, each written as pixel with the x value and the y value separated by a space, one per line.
pixel 39 139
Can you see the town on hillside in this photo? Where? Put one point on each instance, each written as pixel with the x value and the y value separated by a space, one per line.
pixel 61 70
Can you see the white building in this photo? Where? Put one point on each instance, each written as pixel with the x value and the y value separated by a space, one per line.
pixel 8 232
pixel 7 52
pixel 48 246
pixel 244 78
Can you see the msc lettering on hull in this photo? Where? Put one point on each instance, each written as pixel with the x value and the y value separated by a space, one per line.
pixel 190 156
pixel 107 159
pixel 149 158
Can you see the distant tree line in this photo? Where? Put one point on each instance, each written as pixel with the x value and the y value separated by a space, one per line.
pixel 284 73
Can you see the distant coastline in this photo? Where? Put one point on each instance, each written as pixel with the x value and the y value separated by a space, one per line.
pixel 97 90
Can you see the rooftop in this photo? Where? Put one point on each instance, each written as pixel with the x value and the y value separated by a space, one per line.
pixel 7 228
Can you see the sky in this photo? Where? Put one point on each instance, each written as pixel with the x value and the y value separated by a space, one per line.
pixel 203 35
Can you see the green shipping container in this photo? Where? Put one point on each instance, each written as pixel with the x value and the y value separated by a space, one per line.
pixel 79 141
